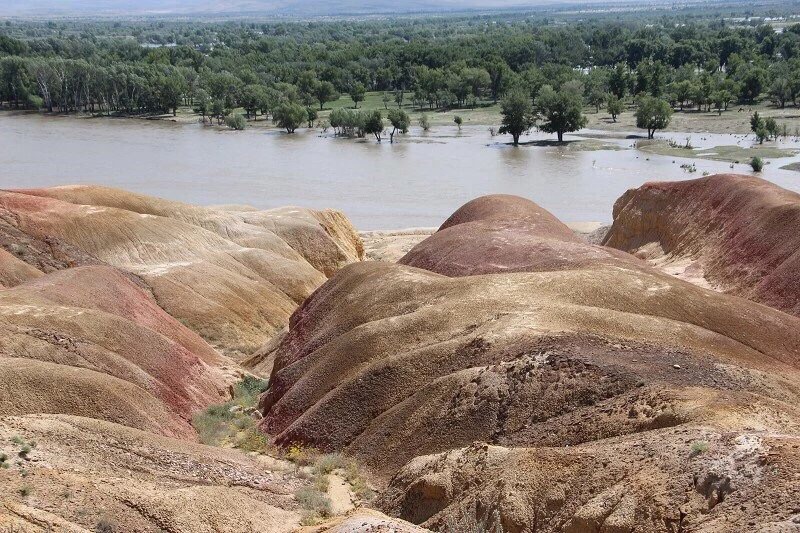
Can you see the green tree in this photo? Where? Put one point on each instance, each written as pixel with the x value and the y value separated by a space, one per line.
pixel 399 120
pixel 398 98
pixel 14 80
pixel 771 125
pixel 518 116
pixel 218 109
pixel 312 116
pixel 499 74
pixel 615 107
pixel 290 116
pixel 357 92
pixel 618 80
pixel 751 83
pixel 373 124
pixel 560 111
pixel 759 127
pixel 682 91
pixel 253 98
pixel 781 91
pixel 597 88
pixel 459 121
pixel 653 114
pixel 324 92
pixel 203 104
pixel 171 91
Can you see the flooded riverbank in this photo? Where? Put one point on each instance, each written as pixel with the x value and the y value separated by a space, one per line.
pixel 414 182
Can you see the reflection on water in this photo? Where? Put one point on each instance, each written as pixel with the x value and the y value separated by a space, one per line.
pixel 415 182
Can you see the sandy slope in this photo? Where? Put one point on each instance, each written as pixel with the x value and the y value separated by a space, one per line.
pixel 231 276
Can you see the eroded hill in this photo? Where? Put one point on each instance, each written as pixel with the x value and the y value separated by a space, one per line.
pixel 738 234
pixel 121 318
pixel 611 396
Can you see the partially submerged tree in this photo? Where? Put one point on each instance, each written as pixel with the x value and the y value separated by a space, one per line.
pixel 399 120
pixel 653 114
pixel 312 116
pixel 458 121
pixel 560 111
pixel 290 116
pixel 759 127
pixel 373 123
pixel 424 122
pixel 517 114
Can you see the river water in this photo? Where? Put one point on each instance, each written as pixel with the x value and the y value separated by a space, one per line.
pixel 416 182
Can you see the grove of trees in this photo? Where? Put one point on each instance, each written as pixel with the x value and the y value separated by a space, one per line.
pixel 278 69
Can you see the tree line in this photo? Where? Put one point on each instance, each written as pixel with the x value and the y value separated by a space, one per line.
pixel 276 69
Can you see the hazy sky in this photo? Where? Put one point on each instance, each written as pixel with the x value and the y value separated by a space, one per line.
pixel 231 7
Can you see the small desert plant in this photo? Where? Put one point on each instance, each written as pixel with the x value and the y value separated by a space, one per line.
pixel 327 463
pixel 757 163
pixel 313 500
pixel 16 439
pixel 249 388
pixel 253 441
pixel 230 422
pixel 24 451
pixel 105 525
pixel 698 447
pixel 301 455
pixel 25 490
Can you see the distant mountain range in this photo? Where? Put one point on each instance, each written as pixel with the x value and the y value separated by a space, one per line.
pixel 297 8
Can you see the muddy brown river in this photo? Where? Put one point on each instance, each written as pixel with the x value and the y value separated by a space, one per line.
pixel 415 182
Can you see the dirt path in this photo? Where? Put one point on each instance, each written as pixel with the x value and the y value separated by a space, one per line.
pixel 340 495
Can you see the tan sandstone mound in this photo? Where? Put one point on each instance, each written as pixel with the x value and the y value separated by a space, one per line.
pixel 88 341
pixel 737 233
pixel 616 397
pixel 234 277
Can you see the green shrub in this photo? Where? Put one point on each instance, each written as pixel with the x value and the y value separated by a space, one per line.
pixel 424 122
pixel 230 422
pixel 757 163
pixel 699 446
pixel 236 121
pixel 250 388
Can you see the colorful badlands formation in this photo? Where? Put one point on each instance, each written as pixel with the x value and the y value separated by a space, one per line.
pixel 504 375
